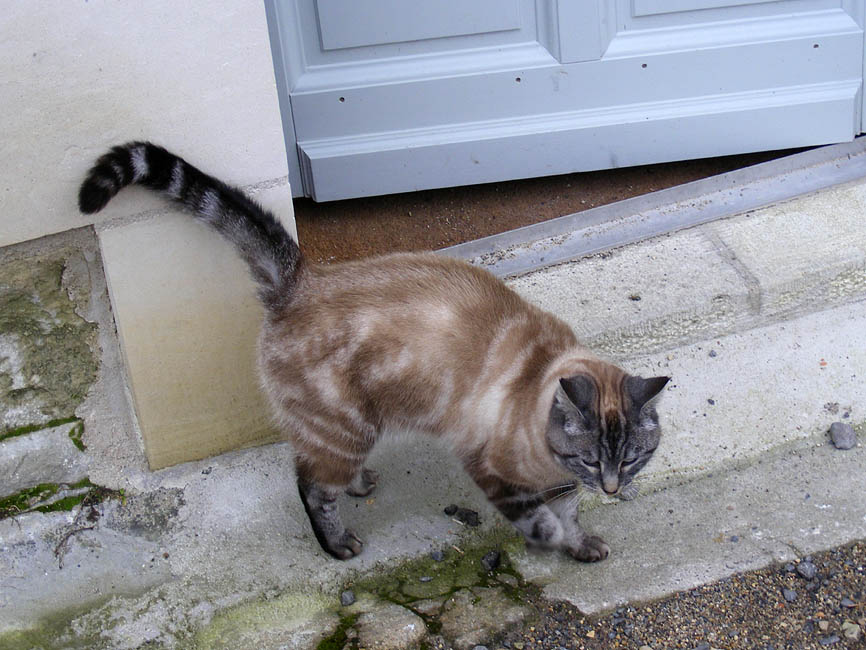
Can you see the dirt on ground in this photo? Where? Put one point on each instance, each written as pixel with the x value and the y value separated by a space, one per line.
pixel 432 219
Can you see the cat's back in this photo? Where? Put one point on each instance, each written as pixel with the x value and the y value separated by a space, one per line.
pixel 431 303
pixel 420 283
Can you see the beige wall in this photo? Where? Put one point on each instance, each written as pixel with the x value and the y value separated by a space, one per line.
pixel 196 77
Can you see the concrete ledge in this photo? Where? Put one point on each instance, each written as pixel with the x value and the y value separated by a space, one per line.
pixel 745 271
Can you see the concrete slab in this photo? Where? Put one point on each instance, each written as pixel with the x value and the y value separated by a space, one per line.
pixel 46 456
pixel 733 398
pixel 47 357
pixel 801 252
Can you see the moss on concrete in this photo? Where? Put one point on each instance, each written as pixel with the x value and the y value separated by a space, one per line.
pixel 47 358
pixel 337 640
pixel 287 617
pixel 76 433
pixel 460 568
pixel 31 428
pixel 39 498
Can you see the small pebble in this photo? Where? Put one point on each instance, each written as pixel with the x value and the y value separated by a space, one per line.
pixel 347 598
pixel 789 594
pixel 790 568
pixel 425 578
pixel 713 353
pixel 851 630
pixel 807 570
pixel 490 561
pixel 843 435
pixel 437 556
pixel 463 515
pixel 823 625
pixel 480 647
pixel 847 602
pixel 829 640
pixel 702 646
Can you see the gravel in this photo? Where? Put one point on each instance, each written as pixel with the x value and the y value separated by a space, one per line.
pixel 347 598
pixel 490 560
pixel 744 611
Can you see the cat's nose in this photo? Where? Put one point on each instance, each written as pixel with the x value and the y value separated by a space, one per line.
pixel 610 485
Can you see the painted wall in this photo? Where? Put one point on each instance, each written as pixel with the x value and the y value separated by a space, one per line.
pixel 196 77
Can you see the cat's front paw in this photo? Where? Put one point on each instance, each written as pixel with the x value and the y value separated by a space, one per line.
pixel 589 549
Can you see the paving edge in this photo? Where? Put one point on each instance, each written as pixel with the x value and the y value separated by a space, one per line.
pixel 609 226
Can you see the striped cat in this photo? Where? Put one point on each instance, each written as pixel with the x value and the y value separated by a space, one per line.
pixel 419 342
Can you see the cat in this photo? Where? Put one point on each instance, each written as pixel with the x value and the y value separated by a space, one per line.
pixel 420 342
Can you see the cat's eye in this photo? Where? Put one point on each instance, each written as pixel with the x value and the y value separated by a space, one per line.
pixel 592 464
pixel 629 461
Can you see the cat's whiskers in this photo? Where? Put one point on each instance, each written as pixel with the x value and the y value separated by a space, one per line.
pixel 568 487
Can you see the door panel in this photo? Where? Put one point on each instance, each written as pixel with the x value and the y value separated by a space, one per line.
pixel 349 23
pixel 552 87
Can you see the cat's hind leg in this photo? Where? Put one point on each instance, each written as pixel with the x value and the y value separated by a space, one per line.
pixel 364 483
pixel 320 503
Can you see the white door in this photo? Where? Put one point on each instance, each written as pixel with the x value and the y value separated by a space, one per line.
pixel 383 96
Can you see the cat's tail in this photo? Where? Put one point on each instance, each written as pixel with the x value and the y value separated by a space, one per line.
pixel 271 253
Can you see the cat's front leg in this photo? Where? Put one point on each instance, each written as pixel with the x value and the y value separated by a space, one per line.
pixel 528 514
pixel 575 541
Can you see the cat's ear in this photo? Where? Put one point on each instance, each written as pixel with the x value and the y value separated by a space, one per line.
pixel 580 391
pixel 641 390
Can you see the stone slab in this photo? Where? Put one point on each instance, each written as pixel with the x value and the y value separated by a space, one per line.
pixel 188 320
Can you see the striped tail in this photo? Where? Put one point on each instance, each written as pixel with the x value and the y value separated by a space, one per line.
pixel 271 253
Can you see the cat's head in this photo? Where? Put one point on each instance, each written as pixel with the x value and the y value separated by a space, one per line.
pixel 604 432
